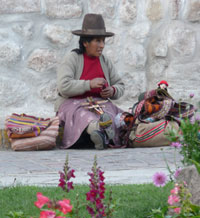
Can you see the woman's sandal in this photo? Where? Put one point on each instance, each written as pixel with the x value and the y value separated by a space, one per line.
pixel 99 139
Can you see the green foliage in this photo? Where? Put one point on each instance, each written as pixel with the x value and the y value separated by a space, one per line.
pixel 188 137
pixel 197 165
pixel 185 208
pixel 19 214
pixel 190 141
pixel 131 201
pixel 159 213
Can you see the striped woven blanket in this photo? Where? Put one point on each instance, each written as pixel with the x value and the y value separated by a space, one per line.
pixel 23 126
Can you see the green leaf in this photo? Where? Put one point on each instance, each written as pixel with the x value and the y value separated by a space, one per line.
pixel 19 214
pixel 196 164
pixel 195 208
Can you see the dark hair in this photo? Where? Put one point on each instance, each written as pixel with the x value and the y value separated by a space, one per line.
pixel 81 48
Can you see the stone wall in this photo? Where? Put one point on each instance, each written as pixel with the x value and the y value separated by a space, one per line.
pixel 155 39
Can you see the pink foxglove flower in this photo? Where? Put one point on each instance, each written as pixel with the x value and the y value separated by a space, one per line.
pixel 41 200
pixel 65 176
pixel 175 190
pixel 65 206
pixel 95 196
pixel 47 214
pixel 159 179
pixel 177 210
pixel 173 199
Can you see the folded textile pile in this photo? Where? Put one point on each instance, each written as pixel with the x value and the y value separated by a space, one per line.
pixel 29 133
pixel 151 118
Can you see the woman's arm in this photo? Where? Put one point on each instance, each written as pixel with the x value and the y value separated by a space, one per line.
pixel 114 79
pixel 68 83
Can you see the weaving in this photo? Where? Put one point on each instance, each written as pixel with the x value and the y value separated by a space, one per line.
pixel 160 127
pixel 23 126
pixel 152 134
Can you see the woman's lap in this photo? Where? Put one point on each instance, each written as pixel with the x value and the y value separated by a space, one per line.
pixel 76 118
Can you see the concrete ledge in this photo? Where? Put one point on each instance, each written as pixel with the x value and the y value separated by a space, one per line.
pixel 121 166
pixel 4 140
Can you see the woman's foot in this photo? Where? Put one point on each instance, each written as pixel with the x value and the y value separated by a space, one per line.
pixel 99 139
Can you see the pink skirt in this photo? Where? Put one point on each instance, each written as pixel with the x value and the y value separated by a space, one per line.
pixel 76 118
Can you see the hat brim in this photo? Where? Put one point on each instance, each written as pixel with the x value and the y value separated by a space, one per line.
pixel 81 33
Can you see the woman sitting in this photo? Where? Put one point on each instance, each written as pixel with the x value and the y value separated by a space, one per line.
pixel 85 78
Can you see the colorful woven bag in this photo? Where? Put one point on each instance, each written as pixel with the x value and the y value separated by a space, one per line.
pixel 24 126
pixel 151 134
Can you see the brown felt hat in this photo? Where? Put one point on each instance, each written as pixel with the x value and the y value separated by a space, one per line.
pixel 93 25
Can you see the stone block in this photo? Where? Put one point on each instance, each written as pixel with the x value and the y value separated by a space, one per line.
pixel 9 52
pixel 42 60
pixel 128 11
pixel 140 31
pixel 48 92
pixel 12 92
pixel 24 29
pixel 193 13
pixel 191 176
pixel 58 35
pixel 19 6
pixel 181 40
pixel 64 8
pixel 104 7
pixel 154 10
pixel 135 55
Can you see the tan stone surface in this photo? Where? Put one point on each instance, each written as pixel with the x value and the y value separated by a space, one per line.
pixel 42 60
pixel 104 7
pixel 128 11
pixel 63 8
pixel 154 10
pixel 194 11
pixel 58 34
pixel 19 6
pixel 4 140
pixel 192 178
pixel 9 52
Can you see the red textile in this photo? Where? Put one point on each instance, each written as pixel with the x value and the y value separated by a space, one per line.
pixel 92 69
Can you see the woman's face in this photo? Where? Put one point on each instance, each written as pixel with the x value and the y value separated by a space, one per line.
pixel 95 47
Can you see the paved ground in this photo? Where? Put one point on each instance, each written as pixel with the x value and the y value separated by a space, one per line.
pixel 121 166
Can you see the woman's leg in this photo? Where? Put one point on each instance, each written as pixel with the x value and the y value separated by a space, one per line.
pixel 101 132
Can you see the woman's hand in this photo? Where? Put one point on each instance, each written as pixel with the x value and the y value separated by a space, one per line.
pixel 97 83
pixel 107 92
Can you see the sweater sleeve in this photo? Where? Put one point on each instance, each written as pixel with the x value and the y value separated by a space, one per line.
pixel 115 80
pixel 68 83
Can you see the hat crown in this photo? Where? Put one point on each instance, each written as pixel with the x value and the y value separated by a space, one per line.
pixel 93 22
pixel 93 25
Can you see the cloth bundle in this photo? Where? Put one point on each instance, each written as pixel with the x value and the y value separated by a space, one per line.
pixel 23 126
pixel 29 133
pixel 151 118
pixel 152 134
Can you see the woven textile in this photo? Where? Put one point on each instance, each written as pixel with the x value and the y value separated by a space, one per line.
pixel 157 129
pixel 24 126
pixel 45 141
pixel 152 134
